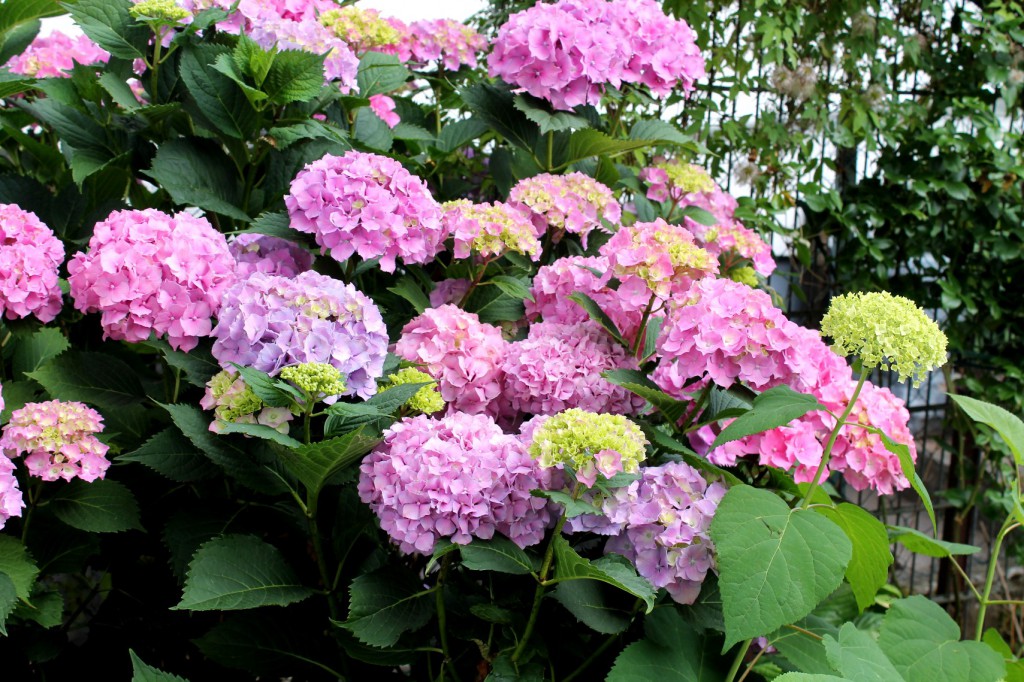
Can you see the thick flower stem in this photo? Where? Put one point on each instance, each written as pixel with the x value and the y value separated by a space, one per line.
pixel 993 562
pixel 321 558
pixel 538 595
pixel 738 661
pixel 641 330
pixel 827 454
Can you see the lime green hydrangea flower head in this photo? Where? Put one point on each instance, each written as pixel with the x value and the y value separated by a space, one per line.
pixel 428 399
pixel 885 331
pixel 316 378
pixel 165 12
pixel 231 397
pixel 687 177
pixel 745 275
pixel 589 443
pixel 361 29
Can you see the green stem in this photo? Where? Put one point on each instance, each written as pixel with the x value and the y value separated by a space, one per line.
pixel 551 149
pixel 993 562
pixel 827 454
pixel 177 385
pixel 442 620
pixel 321 558
pixel 738 661
pixel 154 68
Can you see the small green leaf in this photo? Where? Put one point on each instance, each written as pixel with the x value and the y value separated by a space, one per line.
pixel 411 131
pixel 285 136
pixel 141 672
pixel 239 572
pixel 218 99
pixel 276 224
pixel 498 554
pixel 657 130
pixel 775 407
pixel 919 543
pixel 856 655
pixel 573 508
pixel 384 605
pixel 699 215
pixel 32 352
pixel 18 565
pixel 198 364
pixel 172 455
pixel 596 314
pixel 586 143
pixel 869 565
pixel 775 563
pixel 1008 425
pixel 494 106
pixel 612 569
pixel 271 391
pixel 46 609
pixel 907 464
pixel 549 121
pixel 651 334
pixel 102 506
pixel 379 74
pixel 512 287
pixel 410 290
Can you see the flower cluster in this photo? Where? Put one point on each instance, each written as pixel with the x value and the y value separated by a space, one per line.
pixel 589 443
pixel 269 255
pixel 458 477
pixel 318 379
pixel 161 12
pixel 558 366
pixel 148 272
pixel 885 331
pixel 463 354
pixel 369 205
pixel 445 41
pixel 58 440
pixel 570 51
pixel 269 322
pixel 30 256
pixel 365 29
pixel 340 64
pixel 665 256
pixel 573 203
pixel 489 229
pixel 427 400
pixel 232 400
pixel 54 55
pixel 11 500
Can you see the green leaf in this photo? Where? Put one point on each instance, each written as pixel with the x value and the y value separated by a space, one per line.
pixel 315 463
pixel 549 121
pixel 805 677
pixel 239 572
pixel 919 543
pixel 109 25
pixel 16 563
pixel 8 600
pixel 775 563
pixel 273 392
pixel 585 599
pixel 385 604
pixel 586 143
pixel 102 506
pixel 198 364
pixel 260 431
pixel 573 508
pixel 656 130
pixel 76 129
pixel 923 643
pixel 141 672
pixel 294 76
pixel 458 134
pixel 411 131
pixel 775 407
pixel 512 287
pixel 410 290
pixel 171 454
pixel 46 609
pixel 391 399
pixel 380 74
pixel 494 106
pixel 120 91
pixel 12 84
pixel 856 655
pixel 263 643
pixel 1008 425
pixel 491 305
pixel 371 131
pixel 699 215
pixel 868 569
pixel 200 175
pixel 33 351
pixel 17 12
pixel 672 652
pixel 95 378
pixel 596 314
pixel 498 554
pixel 651 334
pixel 275 224
pixel 218 98
pixel 638 382
pixel 902 452
pixel 612 569
pixel 285 136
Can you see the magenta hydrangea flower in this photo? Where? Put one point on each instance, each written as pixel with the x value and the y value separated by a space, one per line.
pixel 149 272
pixel 558 366
pixel 269 255
pixel 384 107
pixel 341 64
pixel 568 52
pixel 268 322
pixel 368 205
pixel 30 257
pixel 11 500
pixel 54 55
pixel 58 440
pixel 448 42
pixel 463 354
pixel 457 477
pixel 573 203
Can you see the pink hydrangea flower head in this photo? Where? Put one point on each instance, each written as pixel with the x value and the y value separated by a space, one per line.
pixel 341 65
pixel 384 107
pixel 268 322
pixel 258 12
pixel 457 477
pixel 269 255
pixel 11 501
pixel 148 272
pixel 445 41
pixel 558 366
pixel 665 257
pixel 368 205
pixel 58 440
pixel 365 29
pixel 463 354
pixel 489 229
pixel 54 55
pixel 573 203
pixel 30 258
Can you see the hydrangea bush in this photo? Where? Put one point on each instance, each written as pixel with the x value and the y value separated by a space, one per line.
pixel 341 348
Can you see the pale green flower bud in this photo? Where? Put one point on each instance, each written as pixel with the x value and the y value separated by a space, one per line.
pixel 575 437
pixel 428 399
pixel 316 378
pixel 164 12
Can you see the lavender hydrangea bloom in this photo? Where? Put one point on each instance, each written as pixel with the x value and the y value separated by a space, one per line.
pixel 269 255
pixel 268 322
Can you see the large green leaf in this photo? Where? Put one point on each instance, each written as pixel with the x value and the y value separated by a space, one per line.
pixel 380 74
pixel 458 134
pixel 672 652
pixel 18 565
pixel 8 600
pixel 371 131
pixel 612 569
pixel 775 407
pixel 809 677
pixel 920 543
pixel 295 75
pixel 902 452
pixel 218 98
pixel 102 506
pixel 856 655
pixel 656 130
pixel 586 143
pixel 171 454
pixel 141 672
pixel 200 175
pixel 95 378
pixel 498 554
pixel 637 382
pixel 775 563
pixel 285 136
pixel 586 600
pixel 869 565
pixel 495 106
pixel 17 12
pixel 549 121
pixel 1006 424
pixel 315 463
pixel 385 604
pixel 32 351
pixel 197 364
pixel 263 643
pixel 239 572
pixel 109 25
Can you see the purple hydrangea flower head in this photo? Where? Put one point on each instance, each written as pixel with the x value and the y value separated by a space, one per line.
pixel 30 257
pixel 368 205
pixel 457 477
pixel 269 255
pixel 449 291
pixel 573 203
pixel 268 322
pixel 150 272
pixel 58 439
pixel 445 41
